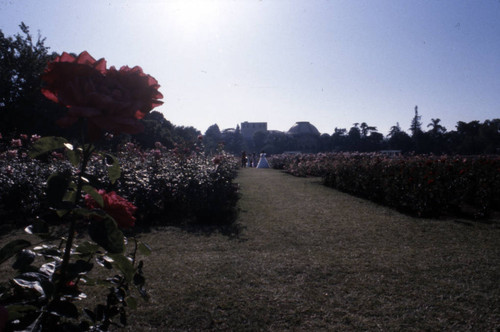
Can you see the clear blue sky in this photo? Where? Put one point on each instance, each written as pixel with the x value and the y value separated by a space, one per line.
pixel 332 63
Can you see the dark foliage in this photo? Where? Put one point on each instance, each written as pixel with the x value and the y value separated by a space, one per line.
pixel 426 186
pixel 168 187
pixel 23 109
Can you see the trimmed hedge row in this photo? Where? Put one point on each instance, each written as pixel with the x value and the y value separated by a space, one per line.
pixel 426 186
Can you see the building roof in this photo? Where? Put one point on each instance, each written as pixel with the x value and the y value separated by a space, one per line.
pixel 303 127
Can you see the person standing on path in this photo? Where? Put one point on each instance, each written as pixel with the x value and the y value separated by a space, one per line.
pixel 243 159
pixel 263 161
pixel 254 159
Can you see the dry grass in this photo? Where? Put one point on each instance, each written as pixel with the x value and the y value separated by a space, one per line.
pixel 311 258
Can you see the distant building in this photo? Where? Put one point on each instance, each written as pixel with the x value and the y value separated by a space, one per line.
pixel 303 127
pixel 306 136
pixel 248 129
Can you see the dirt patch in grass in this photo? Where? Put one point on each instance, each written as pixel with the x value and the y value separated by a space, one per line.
pixel 311 258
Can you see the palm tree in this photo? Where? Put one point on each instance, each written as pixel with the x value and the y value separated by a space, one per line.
pixel 436 129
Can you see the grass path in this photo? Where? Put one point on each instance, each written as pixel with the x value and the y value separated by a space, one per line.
pixel 311 258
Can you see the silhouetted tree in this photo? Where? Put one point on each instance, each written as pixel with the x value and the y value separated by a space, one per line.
pixel 186 134
pixel 325 143
pixel 23 108
pixel 394 130
pixel 416 125
pixel 400 140
pixel 366 129
pixel 354 138
pixel 212 139
pixel 490 135
pixel 339 139
pixel 233 140
pixel 374 142
pixel 279 142
pixel 436 129
pixel 157 129
pixel 259 139
pixel 435 137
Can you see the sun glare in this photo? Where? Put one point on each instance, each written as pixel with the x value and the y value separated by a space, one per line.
pixel 193 14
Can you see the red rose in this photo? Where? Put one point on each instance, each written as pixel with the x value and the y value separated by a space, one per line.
pixel 111 100
pixel 116 206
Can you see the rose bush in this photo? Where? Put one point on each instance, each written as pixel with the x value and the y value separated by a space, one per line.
pixel 426 186
pixel 43 298
pixel 167 187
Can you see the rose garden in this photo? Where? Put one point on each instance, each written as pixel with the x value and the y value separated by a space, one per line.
pixel 85 206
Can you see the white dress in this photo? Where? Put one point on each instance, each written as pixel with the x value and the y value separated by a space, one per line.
pixel 263 161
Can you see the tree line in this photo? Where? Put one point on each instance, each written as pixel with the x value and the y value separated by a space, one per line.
pixel 469 138
pixel 24 110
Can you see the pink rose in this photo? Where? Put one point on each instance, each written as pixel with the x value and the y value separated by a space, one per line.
pixel 116 206
pixel 35 138
pixel 57 155
pixel 157 153
pixel 16 143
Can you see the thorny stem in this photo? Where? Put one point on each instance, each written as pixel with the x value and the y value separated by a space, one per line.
pixel 87 152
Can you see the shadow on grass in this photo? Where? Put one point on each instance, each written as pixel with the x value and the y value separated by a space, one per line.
pixel 225 224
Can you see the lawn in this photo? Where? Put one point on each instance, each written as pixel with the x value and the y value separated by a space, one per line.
pixel 310 258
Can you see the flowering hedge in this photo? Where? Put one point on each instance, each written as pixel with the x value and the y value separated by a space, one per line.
pixel 426 186
pixel 169 187
pixel 166 187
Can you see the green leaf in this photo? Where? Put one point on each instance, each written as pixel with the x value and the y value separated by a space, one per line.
pixel 18 311
pixel 143 248
pixel 73 157
pixel 87 213
pixel 47 144
pixel 23 260
pixel 57 186
pixel 94 194
pixel 62 212
pixel 87 248
pixel 114 171
pixel 123 264
pixel 12 248
pixel 36 282
pixel 105 232
pixel 63 309
pixel 70 196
